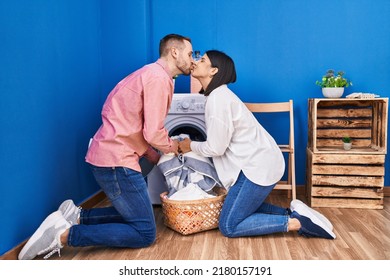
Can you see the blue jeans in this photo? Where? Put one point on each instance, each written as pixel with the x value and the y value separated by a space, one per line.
pixel 244 212
pixel 129 223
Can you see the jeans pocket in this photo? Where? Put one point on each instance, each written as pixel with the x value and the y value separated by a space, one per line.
pixel 107 179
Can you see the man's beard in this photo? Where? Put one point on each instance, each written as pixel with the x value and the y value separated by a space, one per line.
pixel 185 70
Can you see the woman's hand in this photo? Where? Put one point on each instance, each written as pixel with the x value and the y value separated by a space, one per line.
pixel 185 145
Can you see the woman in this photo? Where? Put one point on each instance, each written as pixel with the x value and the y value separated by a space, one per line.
pixel 247 159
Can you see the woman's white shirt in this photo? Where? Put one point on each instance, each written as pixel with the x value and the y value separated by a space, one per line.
pixel 236 141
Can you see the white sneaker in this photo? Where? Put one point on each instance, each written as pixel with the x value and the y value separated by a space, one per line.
pixel 70 211
pixel 46 239
pixel 315 216
pixel 310 228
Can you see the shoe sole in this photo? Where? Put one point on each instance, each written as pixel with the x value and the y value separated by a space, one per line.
pixel 50 220
pixel 299 206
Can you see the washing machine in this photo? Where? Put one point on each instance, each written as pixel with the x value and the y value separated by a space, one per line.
pixel 186 116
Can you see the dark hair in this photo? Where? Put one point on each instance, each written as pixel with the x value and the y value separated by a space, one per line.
pixel 171 38
pixel 226 70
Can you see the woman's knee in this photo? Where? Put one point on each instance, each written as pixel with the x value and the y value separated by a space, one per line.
pixel 226 231
pixel 225 227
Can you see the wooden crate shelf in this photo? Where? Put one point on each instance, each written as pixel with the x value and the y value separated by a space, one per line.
pixel 364 120
pixel 345 180
pixel 340 178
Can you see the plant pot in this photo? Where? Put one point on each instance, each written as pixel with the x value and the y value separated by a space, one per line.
pixel 333 92
pixel 347 146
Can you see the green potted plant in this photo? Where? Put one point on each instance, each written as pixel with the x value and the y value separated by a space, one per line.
pixel 333 84
pixel 347 144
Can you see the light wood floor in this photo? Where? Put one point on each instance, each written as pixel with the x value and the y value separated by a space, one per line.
pixel 361 235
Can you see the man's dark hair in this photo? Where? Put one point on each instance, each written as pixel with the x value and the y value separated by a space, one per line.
pixel 170 40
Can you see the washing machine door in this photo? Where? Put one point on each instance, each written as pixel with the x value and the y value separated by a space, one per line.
pixel 194 126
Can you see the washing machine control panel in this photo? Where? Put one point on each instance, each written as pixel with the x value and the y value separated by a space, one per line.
pixel 187 103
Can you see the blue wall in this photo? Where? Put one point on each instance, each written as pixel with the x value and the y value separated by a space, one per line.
pixel 125 39
pixel 59 59
pixel 50 86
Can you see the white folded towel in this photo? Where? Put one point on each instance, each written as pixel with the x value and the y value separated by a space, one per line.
pixel 190 192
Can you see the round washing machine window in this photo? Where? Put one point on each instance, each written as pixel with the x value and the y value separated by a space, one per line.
pixel 195 133
pixel 191 125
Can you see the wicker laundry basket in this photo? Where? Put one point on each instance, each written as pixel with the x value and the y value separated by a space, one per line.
pixel 191 216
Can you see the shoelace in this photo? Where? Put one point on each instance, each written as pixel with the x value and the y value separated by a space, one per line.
pixel 54 250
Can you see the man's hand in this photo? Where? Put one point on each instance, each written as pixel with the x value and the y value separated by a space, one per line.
pixel 176 147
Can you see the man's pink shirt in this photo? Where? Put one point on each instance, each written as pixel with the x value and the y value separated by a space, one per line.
pixel 133 119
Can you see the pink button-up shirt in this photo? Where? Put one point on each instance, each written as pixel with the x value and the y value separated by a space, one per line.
pixel 133 119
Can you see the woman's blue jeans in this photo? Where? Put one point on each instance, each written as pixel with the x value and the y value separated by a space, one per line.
pixel 129 223
pixel 244 212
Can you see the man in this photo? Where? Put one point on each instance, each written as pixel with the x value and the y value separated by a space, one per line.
pixel 133 127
